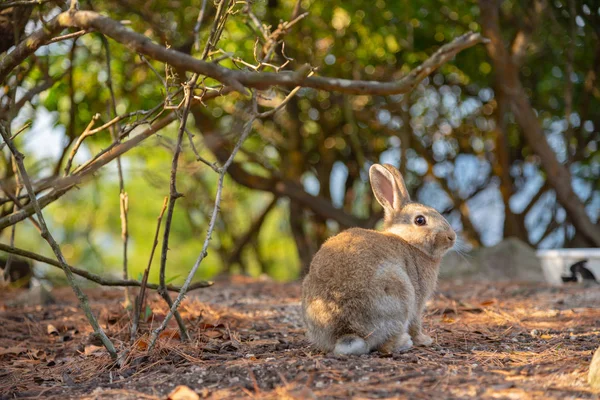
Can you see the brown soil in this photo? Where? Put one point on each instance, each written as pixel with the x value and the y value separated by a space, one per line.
pixel 501 341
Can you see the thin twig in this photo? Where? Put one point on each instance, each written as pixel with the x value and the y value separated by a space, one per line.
pixel 86 132
pixel 198 25
pixel 93 277
pixel 211 226
pixel 192 145
pixel 83 301
pixel 123 197
pixel 21 130
pixel 61 186
pixel 173 193
pixel 139 303
pixel 243 240
pixel 15 197
pixel 173 196
pixel 17 3
pixel 35 91
pixel 89 132
pixel 238 80
pixel 73 35
pixel 283 103
pixel 149 64
pixel 13 231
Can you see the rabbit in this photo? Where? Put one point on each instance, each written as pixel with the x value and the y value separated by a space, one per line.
pixel 366 290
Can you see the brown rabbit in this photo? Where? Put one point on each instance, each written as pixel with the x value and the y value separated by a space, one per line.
pixel 367 290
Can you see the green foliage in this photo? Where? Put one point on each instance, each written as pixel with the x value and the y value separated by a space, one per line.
pixel 449 116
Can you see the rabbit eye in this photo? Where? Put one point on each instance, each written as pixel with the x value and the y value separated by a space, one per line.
pixel 420 220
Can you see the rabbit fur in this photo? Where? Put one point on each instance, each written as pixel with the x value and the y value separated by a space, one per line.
pixel 366 290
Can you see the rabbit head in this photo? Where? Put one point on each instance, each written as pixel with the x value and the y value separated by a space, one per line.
pixel 419 225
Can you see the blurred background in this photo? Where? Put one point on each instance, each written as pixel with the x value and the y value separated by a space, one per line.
pixel 302 174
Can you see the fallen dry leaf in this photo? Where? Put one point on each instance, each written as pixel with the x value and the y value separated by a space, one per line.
pixel 141 344
pixel 52 330
pixel 90 349
pixel 18 349
pixel 183 393
pixel 212 334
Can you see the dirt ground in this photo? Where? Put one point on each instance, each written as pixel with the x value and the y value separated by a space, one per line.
pixel 503 342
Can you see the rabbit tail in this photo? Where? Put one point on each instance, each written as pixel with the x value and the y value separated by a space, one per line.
pixel 351 344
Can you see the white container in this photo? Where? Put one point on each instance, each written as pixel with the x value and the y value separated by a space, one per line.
pixel 556 262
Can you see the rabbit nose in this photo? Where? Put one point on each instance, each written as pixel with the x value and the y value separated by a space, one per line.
pixel 451 236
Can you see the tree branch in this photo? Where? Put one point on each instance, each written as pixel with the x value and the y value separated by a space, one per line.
pixel 211 226
pixel 234 78
pixel 21 3
pixel 83 301
pixel 558 175
pixel 543 189
pixel 63 185
pixel 93 277
pixel 243 240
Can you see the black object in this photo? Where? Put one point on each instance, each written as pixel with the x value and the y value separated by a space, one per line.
pixel 20 271
pixel 579 273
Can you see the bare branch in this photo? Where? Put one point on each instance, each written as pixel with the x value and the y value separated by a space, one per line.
pixel 211 226
pixel 68 36
pixel 198 25
pixel 13 231
pixel 139 303
pixel 542 190
pixel 236 79
pixel 243 240
pixel 20 3
pixel 35 91
pixel 287 98
pixel 17 133
pixel 123 198
pixel 173 196
pixel 213 38
pixel 63 185
pixel 15 197
pixel 56 249
pixel 558 174
pixel 93 277
pixel 78 143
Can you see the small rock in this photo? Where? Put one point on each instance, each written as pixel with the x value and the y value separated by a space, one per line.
pixel 509 260
pixel 594 374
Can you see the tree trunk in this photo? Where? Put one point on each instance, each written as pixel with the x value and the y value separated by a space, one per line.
pixel 514 225
pixel 558 175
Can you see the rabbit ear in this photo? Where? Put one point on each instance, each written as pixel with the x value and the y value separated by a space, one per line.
pixel 400 185
pixel 388 187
